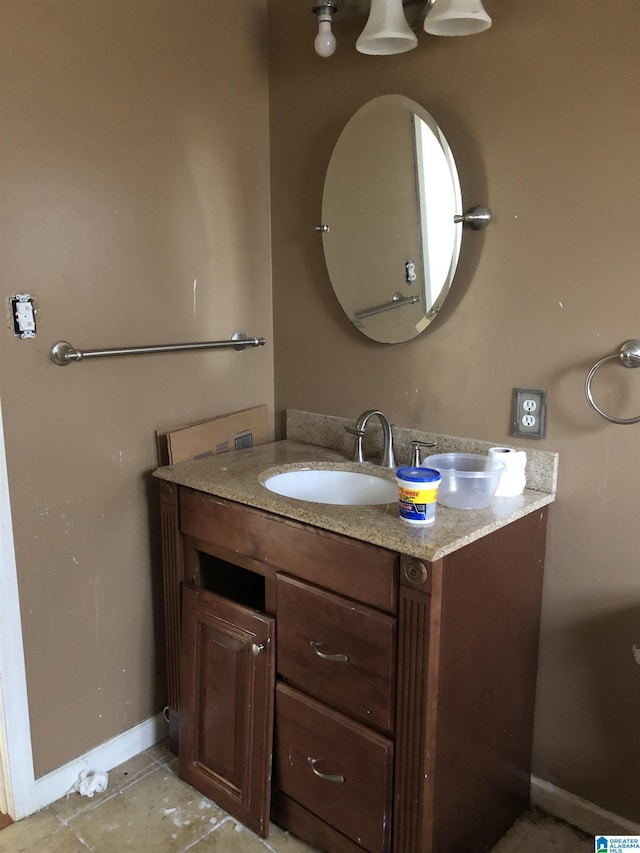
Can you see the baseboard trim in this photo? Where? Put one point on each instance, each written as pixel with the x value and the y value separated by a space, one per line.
pixel 550 798
pixel 578 812
pixel 106 756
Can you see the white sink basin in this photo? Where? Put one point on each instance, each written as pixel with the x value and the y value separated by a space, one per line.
pixel 320 485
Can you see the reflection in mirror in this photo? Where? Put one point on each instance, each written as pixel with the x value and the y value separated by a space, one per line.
pixel 390 238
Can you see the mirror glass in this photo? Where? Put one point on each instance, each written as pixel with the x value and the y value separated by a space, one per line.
pixel 390 241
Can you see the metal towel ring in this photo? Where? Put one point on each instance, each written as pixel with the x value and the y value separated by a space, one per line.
pixel 629 355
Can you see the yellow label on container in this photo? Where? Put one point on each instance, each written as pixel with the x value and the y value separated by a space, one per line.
pixel 418 496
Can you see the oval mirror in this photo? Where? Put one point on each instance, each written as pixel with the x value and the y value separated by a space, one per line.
pixel 391 242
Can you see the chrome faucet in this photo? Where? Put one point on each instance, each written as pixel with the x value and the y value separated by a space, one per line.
pixel 387 460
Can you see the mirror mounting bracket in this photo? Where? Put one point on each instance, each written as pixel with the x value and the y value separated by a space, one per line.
pixel 477 218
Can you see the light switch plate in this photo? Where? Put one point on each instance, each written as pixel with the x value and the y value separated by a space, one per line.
pixel 529 412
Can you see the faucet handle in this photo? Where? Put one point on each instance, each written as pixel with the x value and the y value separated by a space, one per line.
pixel 416 447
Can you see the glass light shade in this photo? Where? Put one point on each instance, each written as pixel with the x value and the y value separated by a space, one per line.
pixel 386 30
pixel 456 18
pixel 325 41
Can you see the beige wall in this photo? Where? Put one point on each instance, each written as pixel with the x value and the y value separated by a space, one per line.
pixel 134 162
pixel 542 115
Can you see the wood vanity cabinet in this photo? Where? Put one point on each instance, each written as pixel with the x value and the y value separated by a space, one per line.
pixel 395 696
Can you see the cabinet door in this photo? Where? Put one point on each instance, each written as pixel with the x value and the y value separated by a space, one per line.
pixel 226 704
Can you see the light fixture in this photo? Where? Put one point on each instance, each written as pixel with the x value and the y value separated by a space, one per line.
pixel 456 18
pixel 386 31
pixel 325 41
pixel 391 24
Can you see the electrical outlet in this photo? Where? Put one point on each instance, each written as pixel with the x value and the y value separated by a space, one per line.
pixel 23 312
pixel 529 412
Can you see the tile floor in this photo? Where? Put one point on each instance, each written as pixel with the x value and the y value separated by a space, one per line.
pixel 147 808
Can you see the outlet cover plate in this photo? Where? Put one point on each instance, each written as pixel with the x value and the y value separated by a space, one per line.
pixel 529 412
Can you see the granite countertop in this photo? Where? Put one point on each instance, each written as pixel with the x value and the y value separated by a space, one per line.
pixel 237 477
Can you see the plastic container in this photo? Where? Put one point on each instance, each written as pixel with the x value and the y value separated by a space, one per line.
pixel 417 493
pixel 469 480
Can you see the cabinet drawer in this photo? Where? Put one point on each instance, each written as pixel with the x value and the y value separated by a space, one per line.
pixel 334 767
pixel 357 569
pixel 338 651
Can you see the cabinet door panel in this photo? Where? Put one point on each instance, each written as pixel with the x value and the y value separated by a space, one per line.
pixel 226 711
pixel 340 652
pixel 336 768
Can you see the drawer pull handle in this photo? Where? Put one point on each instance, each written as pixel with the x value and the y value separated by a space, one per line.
pixel 256 648
pixel 329 777
pixel 316 650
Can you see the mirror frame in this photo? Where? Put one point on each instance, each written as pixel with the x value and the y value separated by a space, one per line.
pixel 397 317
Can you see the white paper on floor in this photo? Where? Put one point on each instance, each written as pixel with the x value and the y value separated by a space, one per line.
pixel 90 782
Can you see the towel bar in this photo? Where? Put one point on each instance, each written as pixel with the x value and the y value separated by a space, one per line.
pixel 63 353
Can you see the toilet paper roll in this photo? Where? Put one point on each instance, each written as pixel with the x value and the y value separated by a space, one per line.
pixel 501 451
pixel 513 479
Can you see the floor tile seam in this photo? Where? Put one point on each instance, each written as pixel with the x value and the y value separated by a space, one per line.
pixel 61 822
pixel 82 840
pixel 269 847
pixel 90 807
pixel 207 832
pixel 161 761
pixel 38 841
pixel 167 767
pixel 246 831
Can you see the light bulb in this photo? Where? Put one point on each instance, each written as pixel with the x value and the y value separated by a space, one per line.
pixel 325 41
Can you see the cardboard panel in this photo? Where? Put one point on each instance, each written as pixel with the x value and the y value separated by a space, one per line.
pixel 234 431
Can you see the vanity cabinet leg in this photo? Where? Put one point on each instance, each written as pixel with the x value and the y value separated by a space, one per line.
pixel 413 756
pixel 173 572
